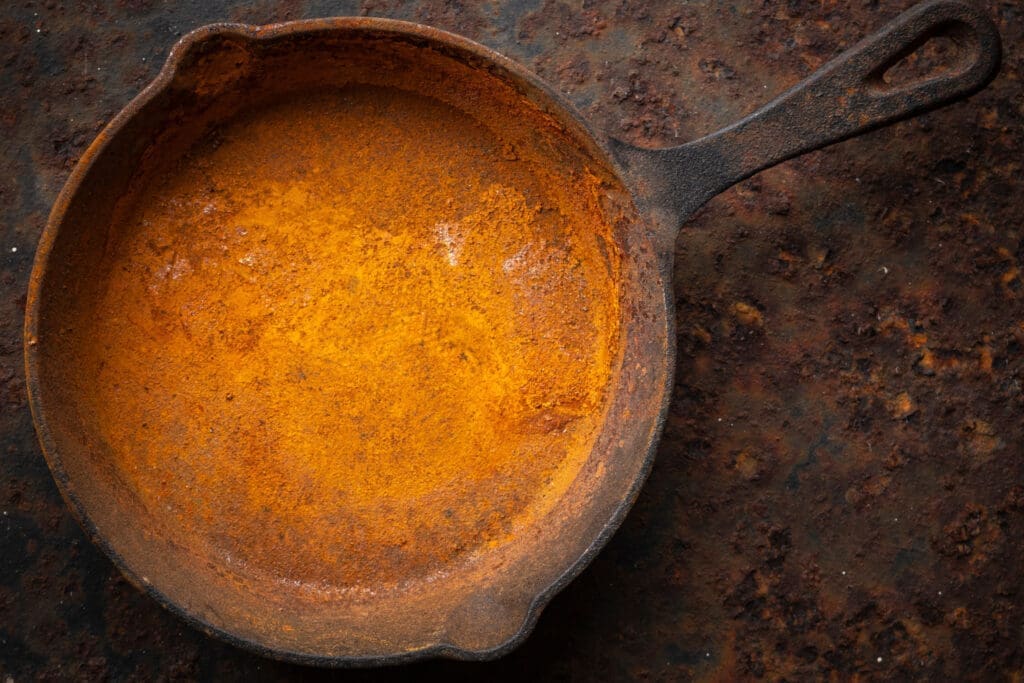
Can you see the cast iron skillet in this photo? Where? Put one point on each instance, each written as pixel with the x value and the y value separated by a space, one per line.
pixel 488 606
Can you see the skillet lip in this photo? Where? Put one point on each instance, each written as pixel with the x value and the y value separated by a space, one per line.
pixel 600 146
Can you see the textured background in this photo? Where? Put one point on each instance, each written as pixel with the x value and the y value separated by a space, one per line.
pixel 840 490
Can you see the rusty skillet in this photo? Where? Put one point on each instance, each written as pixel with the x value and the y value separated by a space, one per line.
pixel 290 581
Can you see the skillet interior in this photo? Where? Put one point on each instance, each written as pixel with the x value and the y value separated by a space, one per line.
pixel 338 339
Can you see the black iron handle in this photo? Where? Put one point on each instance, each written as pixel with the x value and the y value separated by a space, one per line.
pixel 844 98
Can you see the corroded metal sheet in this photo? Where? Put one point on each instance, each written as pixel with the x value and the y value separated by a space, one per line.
pixel 840 485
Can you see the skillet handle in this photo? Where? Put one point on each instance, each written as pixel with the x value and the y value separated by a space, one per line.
pixel 844 98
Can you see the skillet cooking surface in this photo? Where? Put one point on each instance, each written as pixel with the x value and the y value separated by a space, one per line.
pixel 349 338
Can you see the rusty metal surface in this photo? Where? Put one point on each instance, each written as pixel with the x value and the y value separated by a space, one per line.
pixel 244 519
pixel 852 93
pixel 839 488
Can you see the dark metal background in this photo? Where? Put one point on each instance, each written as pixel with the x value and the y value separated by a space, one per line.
pixel 840 489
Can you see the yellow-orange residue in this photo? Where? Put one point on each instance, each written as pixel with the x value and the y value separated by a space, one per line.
pixel 351 339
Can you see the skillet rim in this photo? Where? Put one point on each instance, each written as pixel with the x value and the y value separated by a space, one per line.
pixel 600 146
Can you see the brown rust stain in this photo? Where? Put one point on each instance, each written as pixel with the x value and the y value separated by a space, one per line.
pixel 693 587
pixel 346 342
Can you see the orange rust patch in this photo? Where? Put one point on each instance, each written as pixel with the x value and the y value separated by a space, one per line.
pixel 902 406
pixel 345 342
pixel 747 314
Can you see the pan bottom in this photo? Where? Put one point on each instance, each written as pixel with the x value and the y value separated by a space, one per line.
pixel 351 338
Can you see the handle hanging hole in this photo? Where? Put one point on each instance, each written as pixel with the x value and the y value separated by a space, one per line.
pixel 945 51
pixel 938 56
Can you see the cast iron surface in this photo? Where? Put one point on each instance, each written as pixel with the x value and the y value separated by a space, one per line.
pixel 853 93
pixel 478 611
pixel 463 617
pixel 839 478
